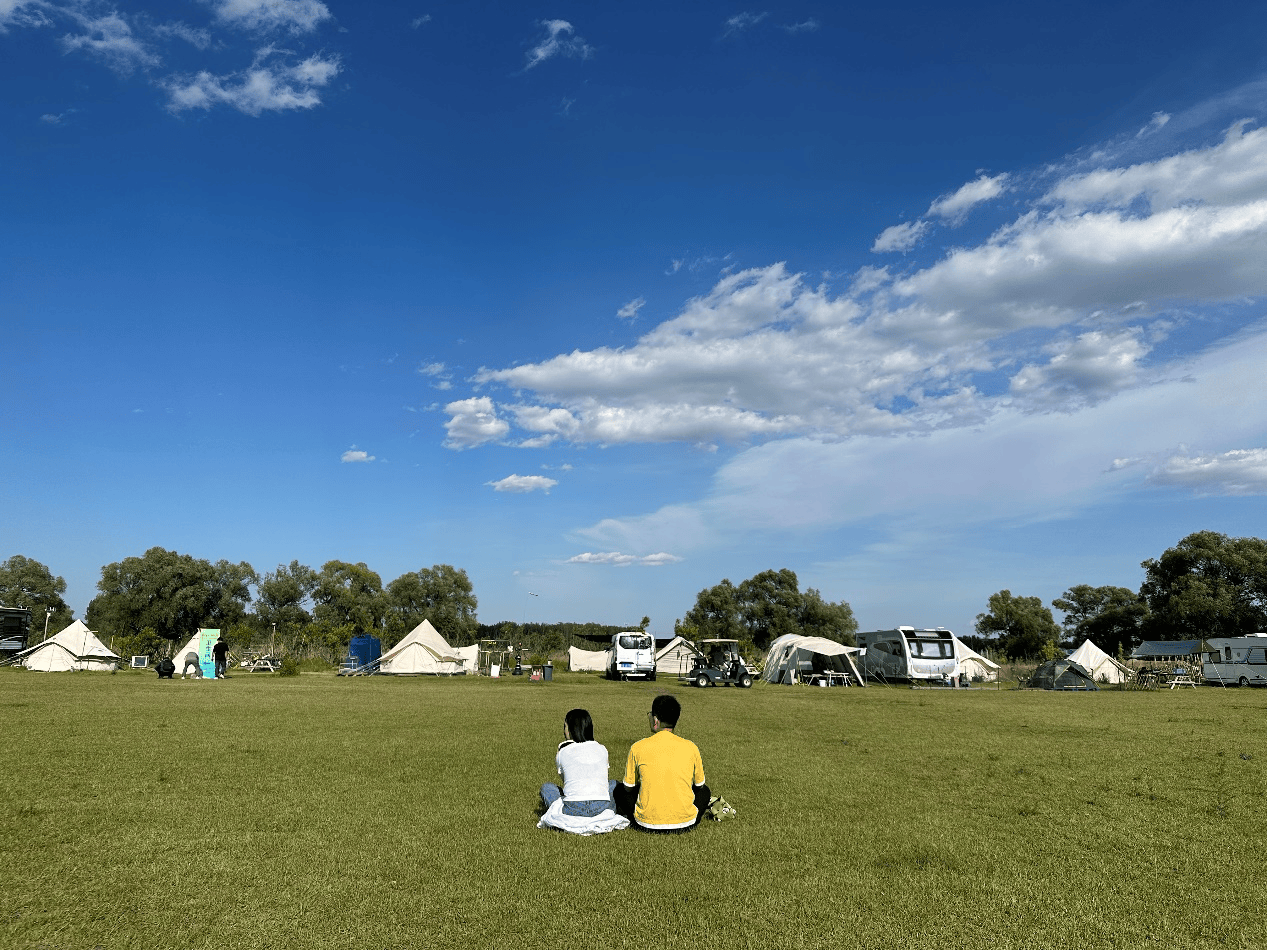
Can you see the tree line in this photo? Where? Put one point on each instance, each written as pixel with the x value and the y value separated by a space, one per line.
pixel 1207 585
pixel 148 603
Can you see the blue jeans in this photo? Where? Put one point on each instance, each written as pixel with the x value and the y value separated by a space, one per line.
pixel 550 793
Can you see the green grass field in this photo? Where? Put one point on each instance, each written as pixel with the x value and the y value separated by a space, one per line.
pixel 390 813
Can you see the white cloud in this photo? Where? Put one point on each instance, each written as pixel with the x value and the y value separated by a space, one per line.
pixel 957 205
pixel 419 21
pixel 355 455
pixel 200 39
pixel 742 21
pixel 295 16
pixel 1237 472
pixel 630 310
pixel 899 237
pixel 1155 124
pixel 109 37
pixel 560 40
pixel 23 13
pixel 51 118
pixel 522 484
pixel 264 87
pixel 624 560
pixel 473 422
pixel 805 26
pixel 1091 367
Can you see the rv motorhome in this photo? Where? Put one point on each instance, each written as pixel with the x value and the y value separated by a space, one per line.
pixel 1240 661
pixel 908 654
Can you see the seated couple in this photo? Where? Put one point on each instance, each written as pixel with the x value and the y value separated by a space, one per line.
pixel 662 790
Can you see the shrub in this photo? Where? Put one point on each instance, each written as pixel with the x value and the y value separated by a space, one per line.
pixel 289 667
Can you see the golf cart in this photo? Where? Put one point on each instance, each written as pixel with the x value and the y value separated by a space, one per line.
pixel 719 664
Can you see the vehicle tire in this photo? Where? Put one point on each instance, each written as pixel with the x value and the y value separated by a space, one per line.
pixel 701 680
pixel 1243 681
pixel 651 678
pixel 745 681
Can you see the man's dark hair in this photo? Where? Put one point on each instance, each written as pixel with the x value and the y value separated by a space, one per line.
pixel 667 709
pixel 580 725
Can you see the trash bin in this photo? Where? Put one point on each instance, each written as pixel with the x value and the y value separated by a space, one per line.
pixel 547 672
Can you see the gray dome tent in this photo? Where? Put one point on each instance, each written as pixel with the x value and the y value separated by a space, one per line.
pixel 1062 674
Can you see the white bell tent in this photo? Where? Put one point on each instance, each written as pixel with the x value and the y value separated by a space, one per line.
pixel 75 648
pixel 422 650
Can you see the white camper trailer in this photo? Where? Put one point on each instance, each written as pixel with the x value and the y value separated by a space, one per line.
pixel 908 654
pixel 1239 661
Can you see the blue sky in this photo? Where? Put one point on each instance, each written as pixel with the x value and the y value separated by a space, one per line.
pixel 609 302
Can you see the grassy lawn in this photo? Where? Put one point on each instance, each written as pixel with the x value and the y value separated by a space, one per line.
pixel 384 813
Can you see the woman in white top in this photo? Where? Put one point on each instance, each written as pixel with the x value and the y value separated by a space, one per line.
pixel 582 762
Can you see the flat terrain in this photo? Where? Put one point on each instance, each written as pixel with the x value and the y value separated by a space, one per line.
pixel 391 813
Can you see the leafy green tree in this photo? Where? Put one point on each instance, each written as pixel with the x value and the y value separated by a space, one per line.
pixel 821 618
pixel 283 595
pixel 1110 617
pixel 715 615
pixel 1208 585
pixel 441 594
pixel 25 582
pixel 1025 627
pixel 349 595
pixel 173 594
pixel 764 608
pixel 770 605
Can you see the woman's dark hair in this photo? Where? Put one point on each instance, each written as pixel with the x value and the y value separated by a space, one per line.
pixel 580 725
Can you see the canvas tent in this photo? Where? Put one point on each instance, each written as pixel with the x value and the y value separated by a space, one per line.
pixel 1102 667
pixel 974 664
pixel 1061 674
pixel 676 657
pixel 794 659
pixel 587 661
pixel 75 648
pixel 422 650
pixel 469 655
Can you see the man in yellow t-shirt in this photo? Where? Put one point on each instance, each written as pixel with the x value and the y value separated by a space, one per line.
pixel 666 773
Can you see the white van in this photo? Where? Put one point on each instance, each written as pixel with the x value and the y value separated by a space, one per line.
pixel 908 654
pixel 632 656
pixel 1236 661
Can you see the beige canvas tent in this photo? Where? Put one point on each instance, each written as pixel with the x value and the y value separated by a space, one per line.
pixel 75 648
pixel 1102 667
pixel 422 650
pixel 797 659
pixel 676 657
pixel 974 664
pixel 587 661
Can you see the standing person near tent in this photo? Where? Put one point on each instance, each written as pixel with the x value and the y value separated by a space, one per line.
pixel 220 653
pixel 582 762
pixel 663 788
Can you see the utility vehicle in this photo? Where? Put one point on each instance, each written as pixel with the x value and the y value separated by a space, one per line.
pixel 719 664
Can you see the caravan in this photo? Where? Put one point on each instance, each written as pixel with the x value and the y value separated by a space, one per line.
pixel 1240 661
pixel 909 654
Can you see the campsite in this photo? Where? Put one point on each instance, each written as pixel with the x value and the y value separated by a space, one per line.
pixel 383 812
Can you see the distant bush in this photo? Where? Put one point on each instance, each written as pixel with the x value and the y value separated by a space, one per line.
pixel 289 667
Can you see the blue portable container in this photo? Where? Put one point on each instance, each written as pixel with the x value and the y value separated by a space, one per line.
pixel 364 649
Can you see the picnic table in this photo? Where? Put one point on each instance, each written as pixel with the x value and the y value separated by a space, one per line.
pixel 260 664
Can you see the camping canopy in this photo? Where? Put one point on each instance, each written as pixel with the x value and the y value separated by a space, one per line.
pixel 1102 667
pixel 587 661
pixel 676 657
pixel 75 648
pixel 793 658
pixel 973 663
pixel 1166 649
pixel 422 650
pixel 1061 674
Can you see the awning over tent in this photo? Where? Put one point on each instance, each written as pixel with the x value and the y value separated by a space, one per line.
pixel 794 659
pixel 1102 667
pixel 75 648
pixel 587 661
pixel 1165 649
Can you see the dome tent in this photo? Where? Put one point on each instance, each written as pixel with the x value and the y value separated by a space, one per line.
pixel 1062 674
